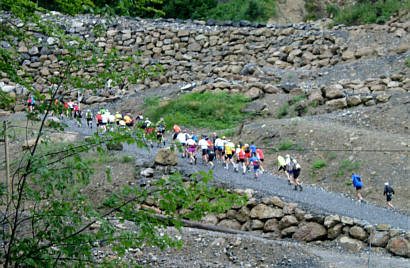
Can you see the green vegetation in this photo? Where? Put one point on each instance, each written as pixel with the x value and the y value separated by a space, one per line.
pixel 286 145
pixel 318 164
pixel 299 98
pixel 347 166
pixel 127 158
pixel 314 10
pixel 407 62
pixel 331 155
pixel 368 11
pixel 207 110
pixel 283 110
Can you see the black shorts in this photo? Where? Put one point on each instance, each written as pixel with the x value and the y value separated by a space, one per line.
pixel 388 198
pixel 296 173
pixel 211 157
pixel 358 187
pixel 261 160
pixel 174 136
pixel 89 119
pixel 204 151
pixel 229 156
pixel 281 168
pixel 242 160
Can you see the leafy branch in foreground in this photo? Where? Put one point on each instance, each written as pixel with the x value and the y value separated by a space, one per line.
pixel 50 220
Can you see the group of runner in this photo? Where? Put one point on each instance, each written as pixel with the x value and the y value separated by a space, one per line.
pixel 214 149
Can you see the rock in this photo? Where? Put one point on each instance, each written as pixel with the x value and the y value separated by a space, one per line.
pixel 256 224
pixel 33 50
pixel 351 245
pixel 348 55
pixel 114 146
pixel 166 157
pixel 399 246
pixel 334 231
pixel 354 100
pixel 6 88
pixel 276 201
pixel 232 224
pixel 331 220
pixel 315 95
pixel 30 143
pixel 358 232
pixel 94 99
pixel 394 232
pixel 271 89
pixel 288 231
pixel 243 214
pixel 380 239
pixel 402 48
pixel 253 93
pixel 364 51
pixel 289 208
pixel 287 221
pixel 51 120
pixel 195 47
pixel 262 211
pixel 210 219
pixel 337 103
pixel 334 91
pixel 271 226
pixel 346 220
pixel 310 231
pixel 64 137
pixel 148 172
pixel 383 97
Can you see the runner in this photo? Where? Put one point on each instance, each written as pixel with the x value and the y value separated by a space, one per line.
pixel 240 155
pixel 211 157
pixel 358 184
pixel 255 162
pixel 191 150
pixel 118 118
pixel 219 147
pixel 128 120
pixel 140 117
pixel 253 148
pixel 31 103
pixel 296 168
pixel 182 138
pixel 204 147
pixel 288 170
pixel 177 130
pixel 160 129
pixel 247 151
pixel 259 154
pixel 98 119
pixel 229 148
pixel 388 192
pixel 281 164
pixel 89 117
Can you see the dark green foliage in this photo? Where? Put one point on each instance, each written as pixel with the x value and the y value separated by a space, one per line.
pixel 313 9
pixel 366 12
pixel 318 164
pixel 286 145
pixel 283 110
pixel 236 10
pixel 208 110
pixel 332 10
pixel 188 9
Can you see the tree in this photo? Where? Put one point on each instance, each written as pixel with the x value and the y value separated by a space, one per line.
pixel 47 221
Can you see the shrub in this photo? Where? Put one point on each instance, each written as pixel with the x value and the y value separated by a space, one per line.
pixel 127 158
pixel 318 164
pixel 236 10
pixel 286 145
pixel 207 110
pixel 407 62
pixel 299 98
pixel 332 10
pixel 283 110
pixel 365 12
pixel 347 166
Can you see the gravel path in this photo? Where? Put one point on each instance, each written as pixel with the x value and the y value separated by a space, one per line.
pixel 312 198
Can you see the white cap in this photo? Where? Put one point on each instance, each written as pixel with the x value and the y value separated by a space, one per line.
pixel 386 183
pixel 287 156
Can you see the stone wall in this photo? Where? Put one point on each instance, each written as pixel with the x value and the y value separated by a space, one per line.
pixel 236 57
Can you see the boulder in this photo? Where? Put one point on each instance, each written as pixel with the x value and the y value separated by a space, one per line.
pixel 331 221
pixel 354 100
pixel 383 97
pixel 315 95
pixel 402 48
pixel 143 163
pixel 166 157
pixel 271 89
pixel 271 226
pixel 243 214
pixel 337 103
pixel 287 221
pixel 256 224
pixel 334 231
pixel 364 52
pixel 94 99
pixel 289 231
pixel 276 201
pixel 30 143
pixel 351 245
pixel 148 172
pixel 358 232
pixel 399 246
pixel 380 239
pixel 232 224
pixel 346 220
pixel 262 211
pixel 210 219
pixel 64 137
pixel 51 120
pixel 253 93
pixel 310 231
pixel 289 208
pixel 348 55
pixel 300 214
pixel 334 91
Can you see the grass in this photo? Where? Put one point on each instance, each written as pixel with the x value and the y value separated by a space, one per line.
pixel 283 110
pixel 365 12
pixel 228 133
pixel 407 62
pixel 331 155
pixel 127 158
pixel 299 98
pixel 202 110
pixel 318 164
pixel 346 167
pixel 286 145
